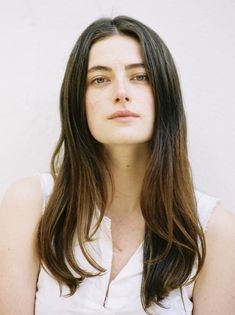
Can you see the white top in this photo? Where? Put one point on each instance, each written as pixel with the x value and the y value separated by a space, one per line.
pixel 124 291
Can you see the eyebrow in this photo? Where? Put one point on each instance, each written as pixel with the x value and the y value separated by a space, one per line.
pixel 105 68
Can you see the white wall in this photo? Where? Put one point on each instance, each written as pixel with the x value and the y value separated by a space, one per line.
pixel 36 38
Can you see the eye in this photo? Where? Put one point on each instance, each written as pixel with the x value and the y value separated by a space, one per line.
pixel 141 77
pixel 99 80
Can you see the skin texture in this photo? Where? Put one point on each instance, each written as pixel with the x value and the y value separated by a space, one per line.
pixel 214 291
pixel 122 86
pixel 20 212
pixel 126 144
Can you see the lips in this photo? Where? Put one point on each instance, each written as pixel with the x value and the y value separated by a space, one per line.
pixel 123 113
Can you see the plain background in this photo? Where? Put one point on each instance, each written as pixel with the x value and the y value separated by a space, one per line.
pixel 36 39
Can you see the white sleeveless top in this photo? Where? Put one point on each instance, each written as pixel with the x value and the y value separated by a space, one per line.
pixel 123 296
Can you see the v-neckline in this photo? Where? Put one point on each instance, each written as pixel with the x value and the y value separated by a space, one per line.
pixel 123 269
pixel 106 223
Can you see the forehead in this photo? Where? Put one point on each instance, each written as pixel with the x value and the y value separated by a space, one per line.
pixel 115 49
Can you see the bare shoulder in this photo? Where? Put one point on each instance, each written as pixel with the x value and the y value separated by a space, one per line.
pixel 22 203
pixel 20 213
pixel 222 220
pixel 24 190
pixel 214 291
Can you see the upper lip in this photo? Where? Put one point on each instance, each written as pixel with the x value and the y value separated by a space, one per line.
pixel 123 113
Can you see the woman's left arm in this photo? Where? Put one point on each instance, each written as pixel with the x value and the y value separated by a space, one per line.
pixel 214 290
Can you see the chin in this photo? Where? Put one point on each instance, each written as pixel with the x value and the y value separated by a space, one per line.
pixel 125 142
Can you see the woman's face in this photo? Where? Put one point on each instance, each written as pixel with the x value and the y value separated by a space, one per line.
pixel 119 99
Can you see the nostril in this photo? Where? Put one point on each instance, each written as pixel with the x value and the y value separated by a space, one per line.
pixel 119 99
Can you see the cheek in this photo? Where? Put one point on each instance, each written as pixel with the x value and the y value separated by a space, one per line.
pixel 94 115
pixel 149 105
pixel 90 111
pixel 144 95
pixel 92 104
pixel 91 117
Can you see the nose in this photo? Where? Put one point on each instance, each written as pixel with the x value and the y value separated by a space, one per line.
pixel 121 93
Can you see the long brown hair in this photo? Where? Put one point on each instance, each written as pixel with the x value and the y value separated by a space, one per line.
pixel 174 239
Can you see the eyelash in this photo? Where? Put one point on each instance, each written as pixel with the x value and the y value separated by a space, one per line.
pixel 143 76
pixel 99 78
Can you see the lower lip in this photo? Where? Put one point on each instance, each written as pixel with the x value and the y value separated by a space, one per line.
pixel 124 118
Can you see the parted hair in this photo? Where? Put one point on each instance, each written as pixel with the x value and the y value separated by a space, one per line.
pixel 174 241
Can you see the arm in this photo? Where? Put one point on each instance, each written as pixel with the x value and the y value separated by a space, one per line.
pixel 214 291
pixel 20 213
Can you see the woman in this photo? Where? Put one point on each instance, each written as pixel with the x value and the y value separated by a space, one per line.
pixel 123 229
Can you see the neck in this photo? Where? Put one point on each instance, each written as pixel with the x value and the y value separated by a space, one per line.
pixel 127 165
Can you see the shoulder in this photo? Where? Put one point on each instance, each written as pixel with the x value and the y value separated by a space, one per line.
pixel 220 235
pixel 20 213
pixel 21 205
pixel 215 287
pixel 221 225
pixel 23 193
pixel 26 185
